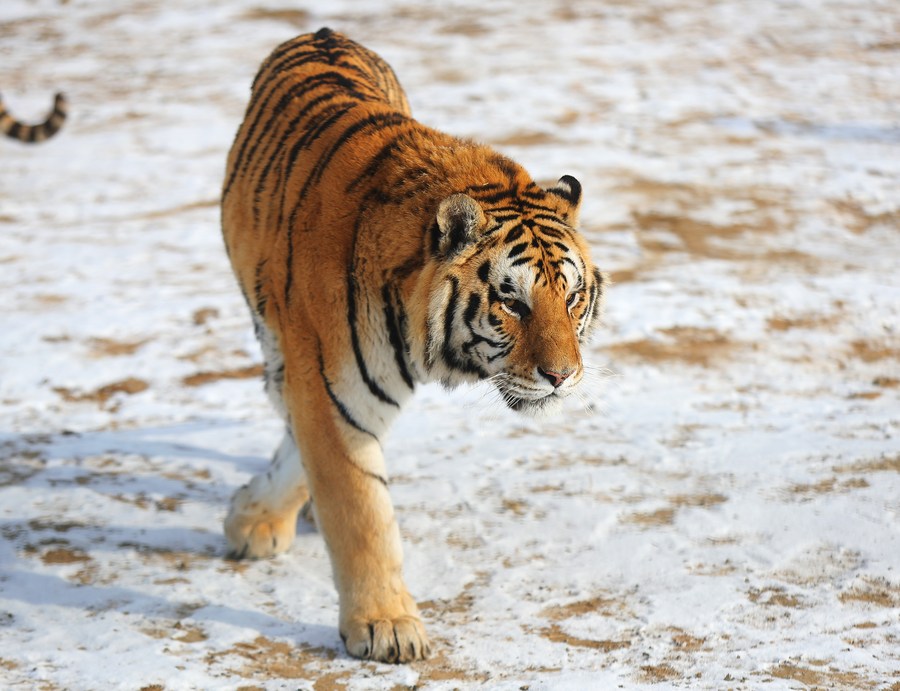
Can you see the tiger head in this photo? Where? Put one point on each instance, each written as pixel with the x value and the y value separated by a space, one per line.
pixel 517 296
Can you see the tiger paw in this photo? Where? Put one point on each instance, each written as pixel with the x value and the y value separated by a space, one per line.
pixel 257 534
pixel 398 640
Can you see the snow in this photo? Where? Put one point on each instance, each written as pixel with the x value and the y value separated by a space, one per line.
pixel 724 512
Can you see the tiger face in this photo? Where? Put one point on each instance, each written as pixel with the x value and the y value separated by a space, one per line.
pixel 519 296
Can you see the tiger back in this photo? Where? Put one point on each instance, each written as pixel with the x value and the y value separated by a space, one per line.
pixel 376 253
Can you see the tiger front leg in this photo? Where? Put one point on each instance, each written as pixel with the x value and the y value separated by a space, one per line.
pixel 379 619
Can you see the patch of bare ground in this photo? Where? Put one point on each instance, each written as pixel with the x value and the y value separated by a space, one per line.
pixel 555 634
pixel 101 396
pixel 108 347
pixel 674 209
pixel 656 674
pixel 555 460
pixel 202 378
pixel 48 299
pixel 887 463
pixel 178 560
pixel 666 515
pixel 819 675
pixel 685 642
pixel 264 659
pixel 726 568
pixel 808 492
pixel 295 17
pixel 201 316
pixel 64 555
pixel 805 321
pixel 182 633
pixel 439 668
pixel 860 221
pixel 527 138
pixel 459 605
pixel 651 519
pixel 874 351
pixel 690 345
pixel 878 592
pixel 775 596
pixel 605 604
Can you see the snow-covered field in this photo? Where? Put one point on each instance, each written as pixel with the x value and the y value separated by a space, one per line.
pixel 726 514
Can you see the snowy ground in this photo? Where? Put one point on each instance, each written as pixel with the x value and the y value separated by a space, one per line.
pixel 726 516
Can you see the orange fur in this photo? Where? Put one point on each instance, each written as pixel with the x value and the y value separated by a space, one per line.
pixel 375 253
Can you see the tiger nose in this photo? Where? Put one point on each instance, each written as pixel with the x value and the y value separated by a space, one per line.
pixel 555 378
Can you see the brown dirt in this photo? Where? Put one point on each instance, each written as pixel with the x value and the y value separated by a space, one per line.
pixel 203 315
pixel 294 17
pixel 694 346
pixel 100 396
pixel 266 659
pixel 869 351
pixel 107 347
pixel 773 597
pixel 651 519
pixel 821 678
pixel 64 555
pixel 655 674
pixel 555 634
pixel 606 605
pixel 877 592
pixel 202 378
pixel 885 464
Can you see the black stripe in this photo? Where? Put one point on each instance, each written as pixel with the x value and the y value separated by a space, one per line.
pixel 514 234
pixel 289 264
pixel 374 387
pixel 516 250
pixel 341 408
pixel 395 323
pixel 307 137
pixel 370 125
pixel 450 356
pixel 384 154
pixel 508 167
pixel 262 97
pixel 270 159
pixel 374 476
pixel 374 123
pixel 260 296
pixel 472 309
pixel 496 197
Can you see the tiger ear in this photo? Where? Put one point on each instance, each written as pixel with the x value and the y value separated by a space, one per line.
pixel 459 218
pixel 569 189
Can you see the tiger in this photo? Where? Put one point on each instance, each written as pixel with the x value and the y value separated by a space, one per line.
pixel 31 134
pixel 375 254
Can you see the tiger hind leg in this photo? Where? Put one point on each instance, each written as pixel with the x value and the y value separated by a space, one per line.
pixel 262 519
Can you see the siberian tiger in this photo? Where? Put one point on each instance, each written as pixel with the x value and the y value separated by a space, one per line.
pixel 31 134
pixel 375 253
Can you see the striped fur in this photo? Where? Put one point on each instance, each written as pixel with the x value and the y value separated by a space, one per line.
pixel 376 253
pixel 31 134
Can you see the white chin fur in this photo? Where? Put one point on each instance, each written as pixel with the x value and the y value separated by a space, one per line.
pixel 542 408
